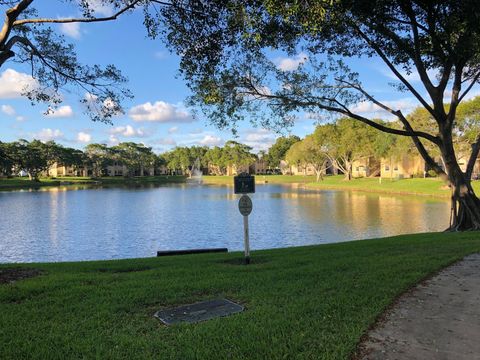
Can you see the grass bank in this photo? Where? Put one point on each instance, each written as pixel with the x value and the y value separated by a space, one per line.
pixel 25 183
pixel 428 186
pixel 271 179
pixel 417 186
pixel 304 303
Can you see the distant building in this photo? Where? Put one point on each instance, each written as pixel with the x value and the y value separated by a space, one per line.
pixel 405 166
pixel 58 170
pixel 233 170
pixel 366 167
pixel 259 167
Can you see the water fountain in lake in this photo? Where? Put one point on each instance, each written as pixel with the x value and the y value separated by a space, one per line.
pixel 195 173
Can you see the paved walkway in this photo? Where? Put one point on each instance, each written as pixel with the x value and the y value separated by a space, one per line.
pixel 439 319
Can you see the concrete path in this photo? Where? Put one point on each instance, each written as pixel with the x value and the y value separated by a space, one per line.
pixel 439 319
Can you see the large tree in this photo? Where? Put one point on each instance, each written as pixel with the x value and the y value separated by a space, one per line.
pixel 276 152
pixel 27 37
pixel 346 141
pixel 6 161
pixel 135 157
pixel 98 156
pixel 226 56
pixel 34 157
pixel 215 160
pixel 237 155
pixel 309 152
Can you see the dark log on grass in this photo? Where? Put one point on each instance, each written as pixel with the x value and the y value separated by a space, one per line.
pixel 190 251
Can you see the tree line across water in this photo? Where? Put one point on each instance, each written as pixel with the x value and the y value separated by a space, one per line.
pixel 36 157
pixel 337 144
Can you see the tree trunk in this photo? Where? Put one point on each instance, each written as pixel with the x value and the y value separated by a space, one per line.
pixel 465 205
pixel 33 176
pixel 348 172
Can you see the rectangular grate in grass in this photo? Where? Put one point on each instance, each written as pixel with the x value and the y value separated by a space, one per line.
pixel 197 312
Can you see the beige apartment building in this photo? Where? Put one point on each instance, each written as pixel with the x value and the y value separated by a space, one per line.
pixel 367 167
pixel 116 169
pixel 405 166
pixel 59 170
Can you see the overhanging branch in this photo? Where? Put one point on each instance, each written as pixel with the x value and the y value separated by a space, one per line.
pixel 392 67
pixel 130 6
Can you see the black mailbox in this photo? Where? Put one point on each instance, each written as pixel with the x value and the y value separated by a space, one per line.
pixel 244 184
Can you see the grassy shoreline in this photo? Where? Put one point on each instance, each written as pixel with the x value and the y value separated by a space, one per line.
pixel 24 183
pixel 417 186
pixel 305 302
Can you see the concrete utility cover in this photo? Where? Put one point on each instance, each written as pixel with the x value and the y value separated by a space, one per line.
pixel 197 312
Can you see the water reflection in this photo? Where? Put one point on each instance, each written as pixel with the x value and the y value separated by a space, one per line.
pixel 61 224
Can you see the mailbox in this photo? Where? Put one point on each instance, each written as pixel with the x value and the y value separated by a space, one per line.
pixel 244 184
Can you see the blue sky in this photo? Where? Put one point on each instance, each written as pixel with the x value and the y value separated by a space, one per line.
pixel 156 116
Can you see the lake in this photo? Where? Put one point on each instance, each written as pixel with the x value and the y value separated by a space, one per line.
pixel 84 223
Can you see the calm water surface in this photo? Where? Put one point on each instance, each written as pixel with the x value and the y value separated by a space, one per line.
pixel 60 224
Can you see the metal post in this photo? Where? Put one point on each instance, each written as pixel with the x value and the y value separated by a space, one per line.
pixel 246 240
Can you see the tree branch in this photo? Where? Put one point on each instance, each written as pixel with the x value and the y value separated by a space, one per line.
pixel 77 20
pixel 380 53
pixel 473 158
pixel 469 87
pixel 10 18
pixel 396 113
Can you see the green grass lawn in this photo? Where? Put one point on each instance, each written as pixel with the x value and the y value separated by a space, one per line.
pixel 428 186
pixel 24 182
pixel 301 303
pixel 271 179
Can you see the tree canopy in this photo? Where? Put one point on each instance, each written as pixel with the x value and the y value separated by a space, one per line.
pixel 28 38
pixel 226 57
pixel 278 150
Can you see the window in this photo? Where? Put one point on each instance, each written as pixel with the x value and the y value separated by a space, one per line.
pixel 387 168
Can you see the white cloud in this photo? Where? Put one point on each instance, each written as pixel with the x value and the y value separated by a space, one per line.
pixel 128 131
pixel 84 137
pixel 62 112
pixel 13 84
pixel 8 109
pixel 211 140
pixel 200 138
pixel 291 63
pixel 160 55
pixel 164 141
pixel 368 108
pixel 48 134
pixel 160 111
pixel 364 107
pixel 100 8
pixel 89 97
pixel 258 139
pixel 20 118
pixel 113 140
pixel 71 30
pixel 173 129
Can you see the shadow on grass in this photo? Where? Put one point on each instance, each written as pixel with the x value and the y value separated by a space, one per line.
pixel 10 275
pixel 256 260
